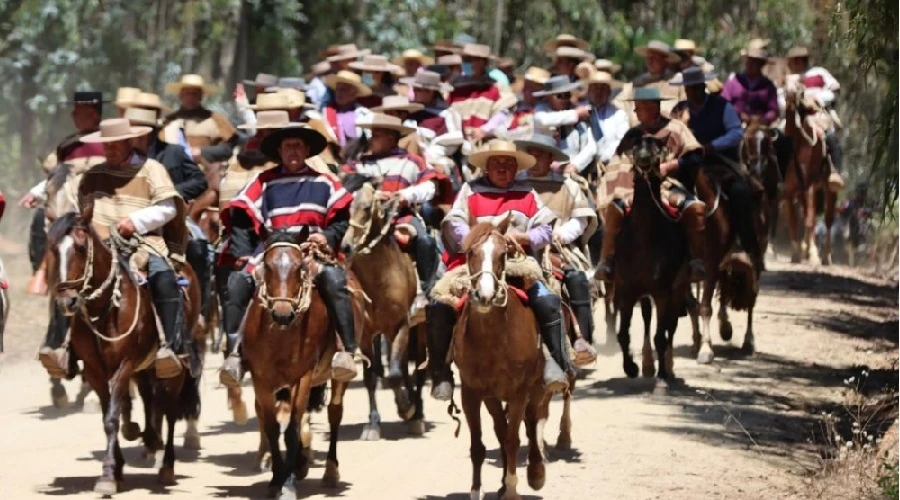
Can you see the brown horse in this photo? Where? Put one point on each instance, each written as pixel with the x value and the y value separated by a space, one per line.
pixel 807 173
pixel 497 349
pixel 114 333
pixel 388 278
pixel 288 345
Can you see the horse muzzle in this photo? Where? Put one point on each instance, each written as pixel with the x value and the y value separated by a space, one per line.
pixel 68 303
pixel 283 315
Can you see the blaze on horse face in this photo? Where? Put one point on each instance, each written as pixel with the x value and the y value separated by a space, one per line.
pixel 284 274
pixel 647 154
pixel 487 248
pixel 68 240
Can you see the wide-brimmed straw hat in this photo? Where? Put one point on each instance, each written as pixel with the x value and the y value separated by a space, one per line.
pixel 544 143
pixel 755 43
pixel 190 81
pixel 125 95
pixel 756 53
pixel 397 103
pixel 565 40
pixel 558 84
pixel 450 60
pixel 350 78
pixel 271 119
pixel 499 147
pixel 147 100
pixel 660 48
pixel 476 50
pixel 381 120
pixel 536 75
pixel 315 140
pixel 262 80
pixel 270 101
pixel 693 75
pixel 607 65
pixel 413 54
pixel 87 97
pixel 602 78
pixel 797 52
pixel 288 82
pixel 347 51
pixel 446 46
pixel 376 63
pixel 115 129
pixel 685 45
pixel 647 94
pixel 142 116
pixel 296 98
pixel 572 53
pixel 428 80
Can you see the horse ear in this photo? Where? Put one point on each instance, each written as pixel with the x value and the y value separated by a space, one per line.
pixel 504 224
pixel 628 141
pixel 302 235
pixel 79 235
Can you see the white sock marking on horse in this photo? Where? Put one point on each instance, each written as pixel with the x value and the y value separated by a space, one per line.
pixel 476 494
pixel 486 281
pixel 64 246
pixel 539 435
pixel 511 481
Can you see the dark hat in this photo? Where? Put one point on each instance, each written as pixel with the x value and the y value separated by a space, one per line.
pixel 693 75
pixel 545 143
pixel 648 94
pixel 558 84
pixel 310 136
pixel 87 97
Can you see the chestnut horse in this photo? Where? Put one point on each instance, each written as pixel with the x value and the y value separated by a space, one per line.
pixel 114 333
pixel 288 345
pixel 388 278
pixel 653 257
pixel 497 349
pixel 807 173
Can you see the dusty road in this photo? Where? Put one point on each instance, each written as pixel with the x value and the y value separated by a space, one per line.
pixel 740 428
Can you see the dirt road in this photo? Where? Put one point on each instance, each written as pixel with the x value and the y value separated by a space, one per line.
pixel 739 428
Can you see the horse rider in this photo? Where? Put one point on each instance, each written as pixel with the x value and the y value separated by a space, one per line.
pixel 823 88
pixel 686 49
pixel 379 75
pixel 685 157
pixel 476 96
pixel 439 126
pixel 577 221
pixel 87 111
pixel 344 113
pixel 752 94
pixel 406 177
pixel 607 122
pixel 211 136
pixel 574 139
pixel 566 52
pixel 715 124
pixel 292 196
pixel 658 58
pixel 143 201
pixel 521 123
pixel 494 194
pixel 400 107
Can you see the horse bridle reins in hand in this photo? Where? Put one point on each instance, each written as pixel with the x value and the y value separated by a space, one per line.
pixel 390 212
pixel 501 296
pixel 299 303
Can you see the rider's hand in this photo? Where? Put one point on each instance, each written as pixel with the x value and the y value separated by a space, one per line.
pixel 239 92
pixel 318 239
pixel 521 238
pixel 584 112
pixel 125 227
pixel 29 201
pixel 668 167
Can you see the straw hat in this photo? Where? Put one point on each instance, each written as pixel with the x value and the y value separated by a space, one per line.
pixel 607 66
pixel 756 53
pixel 565 40
pixel 315 140
pixel 446 46
pixel 602 78
pixel 190 81
pixel 125 94
pixel 660 48
pixel 755 43
pixel 146 100
pixel 295 98
pixel 142 116
pixel 691 76
pixel 350 78
pixel 428 80
pixel 270 119
pixel 499 147
pixel 543 142
pixel 115 129
pixel 572 53
pixel 262 80
pixel 376 63
pixel 397 103
pixel 320 68
pixel 381 120
pixel 413 54
pixel 476 50
pixel 685 45
pixel 270 101
pixel 288 82
pixel 450 60
pixel 798 52
pixel 347 51
pixel 558 84
pixel 536 75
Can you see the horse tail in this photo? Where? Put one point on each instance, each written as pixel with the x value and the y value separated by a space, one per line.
pixel 740 284
pixel 189 399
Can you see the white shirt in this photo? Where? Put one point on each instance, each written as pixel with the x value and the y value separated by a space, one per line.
pixel 614 124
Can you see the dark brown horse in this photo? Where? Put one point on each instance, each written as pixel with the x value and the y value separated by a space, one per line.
pixel 497 348
pixel 807 173
pixel 288 345
pixel 653 252
pixel 114 333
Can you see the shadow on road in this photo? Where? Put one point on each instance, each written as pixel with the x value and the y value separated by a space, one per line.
pixel 305 488
pixel 64 486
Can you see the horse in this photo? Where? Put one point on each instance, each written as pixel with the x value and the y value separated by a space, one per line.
pixel 652 252
pixel 758 153
pixel 288 345
pixel 114 333
pixel 807 173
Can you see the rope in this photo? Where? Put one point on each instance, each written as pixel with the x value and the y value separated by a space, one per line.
pixel 658 205
pixel 385 229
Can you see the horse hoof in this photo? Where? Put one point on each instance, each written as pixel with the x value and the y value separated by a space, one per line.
pixel 705 357
pixel 131 431
pixel 661 388
pixel 239 412
pixel 406 412
pixel 58 395
pixel 167 476
pixel 287 492
pixel 536 476
pixel 106 487
pixel 725 331
pixel 563 443
pixel 476 494
pixel 631 369
pixel 416 427
pixel 505 494
pixel 264 464
pixel 191 441
pixel 370 433
pixel 332 475
pixel 303 465
pixel 648 371
pixel 748 349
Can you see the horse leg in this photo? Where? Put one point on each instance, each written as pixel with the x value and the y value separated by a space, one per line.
pixel 705 353
pixel 166 475
pixel 263 452
pixel 335 414
pixel 472 409
pixel 417 347
pixel 372 430
pixel 498 415
pixel 693 310
pixel 624 338
pixel 829 221
pixel 726 330
pixel 661 342
pixel 564 440
pixel 305 459
pixel 109 481
pixel 272 430
pixel 647 368
pixel 535 418
pixel 398 374
pixel 809 222
pixel 515 413
pixel 287 490
pixel 749 346
pixel 237 405
pixel 793 229
pixel 131 431
pixel 610 318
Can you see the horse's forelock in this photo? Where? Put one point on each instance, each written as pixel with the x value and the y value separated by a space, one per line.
pixel 477 234
pixel 61 227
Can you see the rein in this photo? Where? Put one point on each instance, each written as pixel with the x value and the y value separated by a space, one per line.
pixel 367 228
pixel 501 297
pixel 299 303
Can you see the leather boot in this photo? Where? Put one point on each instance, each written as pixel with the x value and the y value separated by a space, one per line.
pixel 240 292
pixel 332 284
pixel 37 239
pixel 579 291
pixel 197 254
pixel 54 354
pixel 693 221
pixel 546 308
pixel 612 225
pixel 439 322
pixel 427 258
pixel 167 301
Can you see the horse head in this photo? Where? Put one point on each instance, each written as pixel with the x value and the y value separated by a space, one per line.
pixel 71 248
pixel 285 276
pixel 368 215
pixel 487 249
pixel 648 152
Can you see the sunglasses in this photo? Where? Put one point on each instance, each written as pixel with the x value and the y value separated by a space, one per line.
pixel 563 95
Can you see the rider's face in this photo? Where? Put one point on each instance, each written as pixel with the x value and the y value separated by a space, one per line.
pixel 344 94
pixel 695 93
pixel 190 97
pixel 383 141
pixel 117 152
pixel 753 66
pixel 293 152
pixel 423 96
pixel 86 116
pixel 501 170
pixel 543 160
pixel 655 62
pixel 565 65
pixel 598 93
pixel 647 112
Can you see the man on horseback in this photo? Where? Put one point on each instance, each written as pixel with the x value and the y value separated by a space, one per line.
pixel 751 93
pixel 658 57
pixel 577 222
pixel 293 196
pixel 717 127
pixel 407 177
pixel 210 135
pixel 490 196
pixel 685 156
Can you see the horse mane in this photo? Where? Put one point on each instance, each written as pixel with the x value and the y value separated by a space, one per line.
pixel 477 234
pixel 61 227
pixel 59 174
pixel 355 182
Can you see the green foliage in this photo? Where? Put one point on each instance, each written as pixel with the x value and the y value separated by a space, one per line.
pixel 889 480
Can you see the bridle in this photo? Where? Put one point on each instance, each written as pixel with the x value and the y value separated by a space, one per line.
pixel 501 287
pixel 301 301
pixel 366 228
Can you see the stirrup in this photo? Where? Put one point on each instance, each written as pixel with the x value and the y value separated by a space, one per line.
pixel 55 361
pixel 231 373
pixel 343 367
pixel 168 364
pixel 584 353
pixel 442 391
